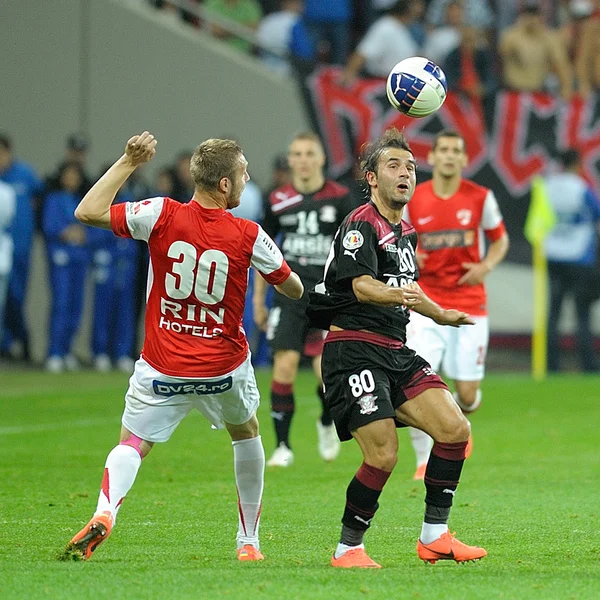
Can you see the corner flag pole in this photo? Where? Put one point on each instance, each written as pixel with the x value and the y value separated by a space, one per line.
pixel 541 219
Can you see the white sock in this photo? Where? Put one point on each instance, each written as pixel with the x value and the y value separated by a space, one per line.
pixel 120 470
pixel 343 548
pixel 432 531
pixel 249 466
pixel 421 444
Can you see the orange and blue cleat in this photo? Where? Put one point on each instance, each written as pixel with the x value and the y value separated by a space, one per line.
pixel 447 547
pixel 356 558
pixel 89 538
pixel 249 552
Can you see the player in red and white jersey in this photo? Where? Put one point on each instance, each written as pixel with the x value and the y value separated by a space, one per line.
pixel 195 353
pixel 453 218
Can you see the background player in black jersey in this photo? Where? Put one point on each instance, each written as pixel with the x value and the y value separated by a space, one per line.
pixel 303 217
pixel 373 382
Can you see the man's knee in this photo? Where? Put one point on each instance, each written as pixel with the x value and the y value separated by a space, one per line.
pixel 245 431
pixel 455 428
pixel 285 366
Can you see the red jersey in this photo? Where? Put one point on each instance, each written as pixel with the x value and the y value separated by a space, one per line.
pixel 451 233
pixel 197 280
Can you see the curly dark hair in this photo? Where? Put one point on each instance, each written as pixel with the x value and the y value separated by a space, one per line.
pixel 391 138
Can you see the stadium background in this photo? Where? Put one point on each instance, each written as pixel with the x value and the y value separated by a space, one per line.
pixel 111 68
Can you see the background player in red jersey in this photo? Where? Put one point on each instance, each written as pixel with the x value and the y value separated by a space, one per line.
pixel 452 216
pixel 303 216
pixel 373 381
pixel 195 353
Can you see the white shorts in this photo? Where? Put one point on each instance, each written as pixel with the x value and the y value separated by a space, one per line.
pixel 458 352
pixel 155 403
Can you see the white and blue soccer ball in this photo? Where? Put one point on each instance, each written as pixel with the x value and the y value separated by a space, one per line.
pixel 416 87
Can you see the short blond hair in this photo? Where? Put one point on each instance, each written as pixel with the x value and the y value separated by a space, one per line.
pixel 212 160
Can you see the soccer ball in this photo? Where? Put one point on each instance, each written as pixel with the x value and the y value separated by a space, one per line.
pixel 416 87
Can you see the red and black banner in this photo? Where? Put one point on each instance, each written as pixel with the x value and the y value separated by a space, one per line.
pixel 509 138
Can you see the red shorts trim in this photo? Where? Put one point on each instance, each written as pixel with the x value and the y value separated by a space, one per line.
pixel 421 382
pixel 364 336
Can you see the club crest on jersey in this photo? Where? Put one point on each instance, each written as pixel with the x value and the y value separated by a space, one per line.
pixel 353 240
pixel 367 404
pixel 464 216
pixel 133 208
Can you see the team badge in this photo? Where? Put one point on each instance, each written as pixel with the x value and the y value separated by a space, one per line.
pixel 367 404
pixel 353 239
pixel 464 216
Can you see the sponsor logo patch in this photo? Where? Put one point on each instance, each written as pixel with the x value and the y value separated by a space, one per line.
pixel 168 389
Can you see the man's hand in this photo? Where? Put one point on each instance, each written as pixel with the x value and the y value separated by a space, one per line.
pixel 411 295
pixel 476 273
pixel 140 149
pixel 454 318
pixel 261 316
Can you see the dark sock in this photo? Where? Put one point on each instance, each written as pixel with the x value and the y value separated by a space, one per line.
pixel 326 419
pixel 361 503
pixel 441 479
pixel 282 410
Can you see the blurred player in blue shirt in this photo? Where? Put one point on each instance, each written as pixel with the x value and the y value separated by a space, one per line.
pixel 26 183
pixel 572 253
pixel 68 258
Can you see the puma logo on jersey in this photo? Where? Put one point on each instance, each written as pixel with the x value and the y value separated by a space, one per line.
pixel 425 220
pixel 447 491
pixel 351 253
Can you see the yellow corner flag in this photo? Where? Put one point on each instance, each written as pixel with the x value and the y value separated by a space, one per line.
pixel 541 219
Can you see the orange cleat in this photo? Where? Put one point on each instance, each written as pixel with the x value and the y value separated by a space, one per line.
pixel 354 559
pixel 420 472
pixel 89 538
pixel 249 552
pixel 447 547
pixel 469 447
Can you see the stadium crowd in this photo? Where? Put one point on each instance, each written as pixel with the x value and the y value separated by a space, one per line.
pixel 526 45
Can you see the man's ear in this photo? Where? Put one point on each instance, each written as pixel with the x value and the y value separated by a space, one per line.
pixel 224 185
pixel 371 178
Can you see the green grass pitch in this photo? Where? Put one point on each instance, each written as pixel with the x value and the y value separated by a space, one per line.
pixel 529 494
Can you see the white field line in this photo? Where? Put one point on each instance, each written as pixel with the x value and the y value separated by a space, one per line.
pixel 41 427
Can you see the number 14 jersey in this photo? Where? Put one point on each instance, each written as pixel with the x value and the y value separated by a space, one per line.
pixel 197 280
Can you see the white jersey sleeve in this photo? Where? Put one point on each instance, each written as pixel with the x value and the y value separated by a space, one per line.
pixel 268 260
pixel 141 217
pixel 491 216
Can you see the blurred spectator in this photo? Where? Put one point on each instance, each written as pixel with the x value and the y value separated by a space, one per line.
pixel 530 52
pixel 476 13
pixel 274 34
pixel 280 174
pixel 69 258
pixel 28 186
pixel 115 261
pixel 302 47
pixel 165 183
pixel 572 253
pixel 330 23
pixel 442 40
pixel 416 25
pixel 8 208
pixel 507 12
pixel 76 151
pixel 184 185
pixel 387 42
pixel 469 68
pixel 243 12
pixel 584 38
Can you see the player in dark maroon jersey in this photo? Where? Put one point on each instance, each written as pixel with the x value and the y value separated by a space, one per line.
pixel 195 353
pixel 303 217
pixel 373 382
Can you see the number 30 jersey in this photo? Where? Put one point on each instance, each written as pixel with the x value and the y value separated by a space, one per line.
pixel 365 244
pixel 197 279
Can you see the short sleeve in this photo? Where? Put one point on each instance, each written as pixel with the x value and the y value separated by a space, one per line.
pixel 357 250
pixel 268 260
pixel 491 219
pixel 136 219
